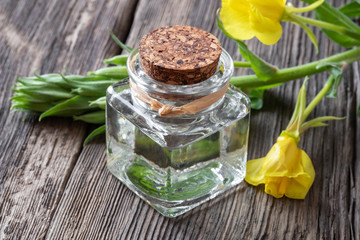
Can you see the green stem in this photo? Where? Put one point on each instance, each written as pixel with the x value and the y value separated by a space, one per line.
pixel 239 64
pixel 291 9
pixel 288 74
pixel 318 97
pixel 327 25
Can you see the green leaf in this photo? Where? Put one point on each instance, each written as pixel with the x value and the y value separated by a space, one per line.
pixel 302 104
pixel 327 13
pixel 256 97
pixel 297 117
pixel 23 97
pixel 54 79
pixel 310 34
pixel 115 72
pixel 94 89
pixel 48 93
pixel 97 131
pixel 92 86
pixel 79 78
pixel 30 106
pixel 100 102
pixel 97 117
pixel 351 9
pixel 75 81
pixel 263 70
pixel 358 111
pixel 336 71
pixel 31 81
pixel 87 92
pixel 318 122
pixel 73 106
pixel 117 60
pixel 123 46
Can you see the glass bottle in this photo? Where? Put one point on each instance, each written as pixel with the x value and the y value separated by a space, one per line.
pixel 176 163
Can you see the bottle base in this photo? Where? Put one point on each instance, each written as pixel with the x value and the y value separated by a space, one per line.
pixel 173 192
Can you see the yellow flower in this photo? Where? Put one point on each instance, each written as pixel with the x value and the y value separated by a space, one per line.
pixel 245 19
pixel 286 170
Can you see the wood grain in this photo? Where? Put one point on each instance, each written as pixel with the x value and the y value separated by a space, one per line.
pixel 38 158
pixel 51 187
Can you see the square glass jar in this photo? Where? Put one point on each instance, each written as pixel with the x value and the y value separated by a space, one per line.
pixel 176 163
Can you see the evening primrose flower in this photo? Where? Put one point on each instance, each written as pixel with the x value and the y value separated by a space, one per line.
pixel 286 169
pixel 245 19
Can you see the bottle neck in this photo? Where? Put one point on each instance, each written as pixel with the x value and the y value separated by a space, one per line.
pixel 171 109
pixel 149 94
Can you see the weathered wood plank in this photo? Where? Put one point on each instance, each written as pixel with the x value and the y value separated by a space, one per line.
pixel 355 178
pixel 246 213
pixel 37 159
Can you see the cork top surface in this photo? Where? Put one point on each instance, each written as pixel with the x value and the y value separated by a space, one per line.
pixel 179 54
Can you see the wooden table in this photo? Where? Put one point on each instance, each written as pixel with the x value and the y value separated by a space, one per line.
pixel 52 187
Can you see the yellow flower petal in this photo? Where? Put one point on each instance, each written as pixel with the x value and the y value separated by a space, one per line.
pixel 235 18
pixel 253 172
pixel 276 186
pixel 283 158
pixel 248 18
pixel 301 184
pixel 286 170
pixel 267 31
pixel 269 9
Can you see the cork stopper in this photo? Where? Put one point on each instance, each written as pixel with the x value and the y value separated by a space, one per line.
pixel 179 55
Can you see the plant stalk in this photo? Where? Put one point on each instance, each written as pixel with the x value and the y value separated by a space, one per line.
pixel 239 64
pixel 327 25
pixel 288 74
pixel 318 97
